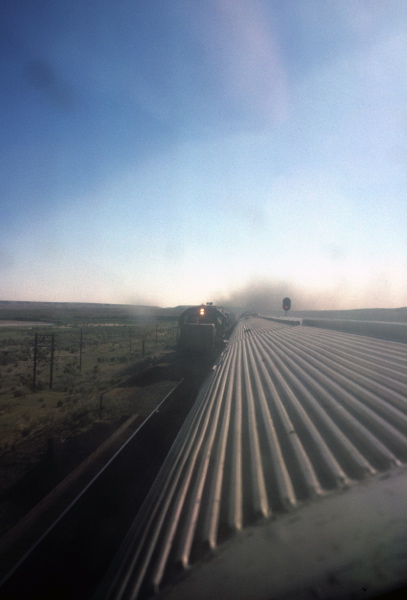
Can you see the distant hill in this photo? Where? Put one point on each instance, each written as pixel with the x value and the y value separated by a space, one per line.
pixel 83 312
pixel 60 312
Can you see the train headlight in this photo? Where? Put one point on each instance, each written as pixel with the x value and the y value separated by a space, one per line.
pixel 202 312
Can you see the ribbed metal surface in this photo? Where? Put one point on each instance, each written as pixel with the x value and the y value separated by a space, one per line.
pixel 289 414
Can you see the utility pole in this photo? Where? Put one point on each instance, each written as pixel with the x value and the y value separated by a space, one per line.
pixel 80 350
pixel 35 360
pixel 51 368
pixel 44 351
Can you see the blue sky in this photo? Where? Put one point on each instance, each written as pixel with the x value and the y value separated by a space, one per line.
pixel 181 151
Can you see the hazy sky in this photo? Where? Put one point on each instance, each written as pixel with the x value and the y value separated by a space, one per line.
pixel 181 151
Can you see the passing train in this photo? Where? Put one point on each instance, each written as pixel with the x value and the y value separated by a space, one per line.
pixel 286 481
pixel 205 327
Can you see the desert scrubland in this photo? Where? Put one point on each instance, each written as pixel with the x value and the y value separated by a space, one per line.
pixel 107 366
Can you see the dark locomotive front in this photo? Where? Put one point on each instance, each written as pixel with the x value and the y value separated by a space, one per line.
pixel 202 328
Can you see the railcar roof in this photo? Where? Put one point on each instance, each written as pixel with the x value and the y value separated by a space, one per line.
pixel 293 421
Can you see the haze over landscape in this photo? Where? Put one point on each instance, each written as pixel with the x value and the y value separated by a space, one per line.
pixel 177 152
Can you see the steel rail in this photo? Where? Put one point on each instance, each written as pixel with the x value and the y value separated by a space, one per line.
pixel 73 553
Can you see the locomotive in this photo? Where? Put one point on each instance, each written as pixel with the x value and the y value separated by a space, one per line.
pixel 205 327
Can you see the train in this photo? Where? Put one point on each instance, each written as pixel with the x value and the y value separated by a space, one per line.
pixel 287 479
pixel 204 328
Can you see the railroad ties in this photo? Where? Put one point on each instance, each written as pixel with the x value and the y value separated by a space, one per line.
pixel 289 415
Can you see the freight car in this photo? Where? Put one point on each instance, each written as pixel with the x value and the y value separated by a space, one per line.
pixel 205 327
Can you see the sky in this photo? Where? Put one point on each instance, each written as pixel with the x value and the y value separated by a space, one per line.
pixel 175 152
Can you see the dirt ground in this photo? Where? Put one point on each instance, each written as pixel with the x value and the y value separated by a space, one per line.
pixel 41 461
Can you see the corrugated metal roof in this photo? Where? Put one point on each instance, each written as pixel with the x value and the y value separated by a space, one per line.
pixel 288 415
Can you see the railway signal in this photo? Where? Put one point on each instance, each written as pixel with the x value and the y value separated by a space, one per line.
pixel 286 304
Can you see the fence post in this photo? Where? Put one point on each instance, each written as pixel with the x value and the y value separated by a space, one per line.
pixel 51 368
pixel 35 361
pixel 80 349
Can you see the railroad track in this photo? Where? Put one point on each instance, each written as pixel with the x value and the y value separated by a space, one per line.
pixel 293 421
pixel 70 557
